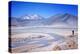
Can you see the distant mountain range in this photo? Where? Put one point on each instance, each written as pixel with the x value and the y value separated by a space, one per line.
pixel 32 17
pixel 58 20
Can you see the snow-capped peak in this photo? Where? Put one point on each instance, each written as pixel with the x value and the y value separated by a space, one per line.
pixel 35 16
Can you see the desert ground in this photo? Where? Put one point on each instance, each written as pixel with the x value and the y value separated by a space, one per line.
pixel 31 39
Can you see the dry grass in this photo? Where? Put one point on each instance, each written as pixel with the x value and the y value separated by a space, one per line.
pixel 56 48
pixel 71 45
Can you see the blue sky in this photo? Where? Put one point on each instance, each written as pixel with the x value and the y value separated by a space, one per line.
pixel 46 10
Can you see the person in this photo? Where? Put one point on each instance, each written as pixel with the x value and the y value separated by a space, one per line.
pixel 72 32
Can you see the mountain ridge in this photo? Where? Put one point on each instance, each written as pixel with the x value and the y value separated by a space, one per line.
pixel 37 20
